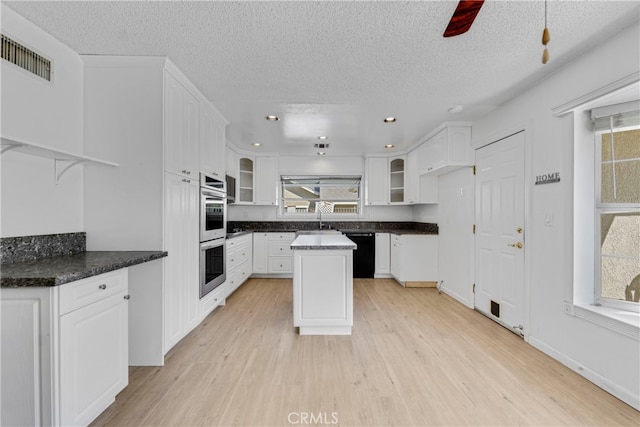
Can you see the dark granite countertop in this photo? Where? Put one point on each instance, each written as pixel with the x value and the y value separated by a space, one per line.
pixel 238 234
pixel 398 227
pixel 54 271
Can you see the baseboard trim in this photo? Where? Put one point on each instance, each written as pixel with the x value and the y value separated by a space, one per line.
pixel 610 387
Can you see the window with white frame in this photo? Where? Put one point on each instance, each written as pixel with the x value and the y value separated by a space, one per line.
pixel 617 205
pixel 321 195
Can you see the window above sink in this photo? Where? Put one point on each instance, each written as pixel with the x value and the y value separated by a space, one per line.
pixel 321 196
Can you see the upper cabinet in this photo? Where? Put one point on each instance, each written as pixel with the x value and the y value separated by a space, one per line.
pixel 246 167
pixel 182 128
pixel 268 182
pixel 212 141
pixel 257 180
pixel 377 181
pixel 447 150
pixel 385 180
pixel 397 180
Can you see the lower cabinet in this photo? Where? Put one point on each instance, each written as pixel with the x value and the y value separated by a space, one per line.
pixel 382 262
pixel 239 261
pixel 272 253
pixel 181 268
pixel 64 350
pixel 414 258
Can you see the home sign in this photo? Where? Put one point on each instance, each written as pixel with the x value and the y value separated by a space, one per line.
pixel 548 178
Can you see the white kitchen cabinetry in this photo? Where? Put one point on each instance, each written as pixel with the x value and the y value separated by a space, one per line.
pixel 448 150
pixel 258 180
pixel 280 253
pixel 397 180
pixel 145 113
pixel 245 183
pixel 212 141
pixel 182 128
pixel 267 181
pixel 260 253
pixel 272 253
pixel 239 254
pixel 386 181
pixel 181 279
pixel 412 178
pixel 383 256
pixel 377 181
pixel 414 258
pixel 69 350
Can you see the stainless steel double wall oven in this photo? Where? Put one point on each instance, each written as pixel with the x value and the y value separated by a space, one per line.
pixel 213 231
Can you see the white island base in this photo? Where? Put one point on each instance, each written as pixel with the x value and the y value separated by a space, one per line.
pixel 323 287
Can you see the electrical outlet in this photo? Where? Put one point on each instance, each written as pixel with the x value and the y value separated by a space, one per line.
pixel 568 308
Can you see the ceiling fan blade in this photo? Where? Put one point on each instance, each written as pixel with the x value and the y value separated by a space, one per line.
pixel 463 17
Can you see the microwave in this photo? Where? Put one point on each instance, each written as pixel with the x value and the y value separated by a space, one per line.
pixel 231 189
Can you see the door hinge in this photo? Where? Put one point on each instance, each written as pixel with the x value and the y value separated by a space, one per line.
pixel 474 288
pixel 474 229
pixel 474 169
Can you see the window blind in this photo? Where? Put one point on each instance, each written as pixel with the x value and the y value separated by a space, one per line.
pixel 616 116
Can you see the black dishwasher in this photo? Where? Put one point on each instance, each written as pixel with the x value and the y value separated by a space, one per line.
pixel 364 258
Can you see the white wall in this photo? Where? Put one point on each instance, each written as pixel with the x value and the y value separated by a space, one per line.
pixel 346 165
pixel 46 113
pixel 607 358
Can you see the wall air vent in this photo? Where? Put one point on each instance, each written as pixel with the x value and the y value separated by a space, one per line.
pixel 321 145
pixel 25 58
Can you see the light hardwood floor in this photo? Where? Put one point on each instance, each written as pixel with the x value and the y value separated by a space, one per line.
pixel 415 358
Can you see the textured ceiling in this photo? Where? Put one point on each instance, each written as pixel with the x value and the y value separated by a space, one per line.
pixel 338 68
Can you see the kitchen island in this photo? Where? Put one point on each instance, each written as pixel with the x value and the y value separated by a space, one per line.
pixel 323 284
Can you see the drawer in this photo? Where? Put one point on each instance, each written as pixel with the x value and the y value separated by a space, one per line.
pixel 238 241
pixel 282 236
pixel 280 248
pixel 83 292
pixel 237 256
pixel 237 277
pixel 280 265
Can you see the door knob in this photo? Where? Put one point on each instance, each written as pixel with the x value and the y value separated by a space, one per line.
pixel 516 245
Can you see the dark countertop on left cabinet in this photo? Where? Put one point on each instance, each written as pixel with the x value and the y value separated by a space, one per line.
pixel 58 270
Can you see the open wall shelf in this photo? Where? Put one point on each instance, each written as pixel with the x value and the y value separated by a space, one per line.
pixel 63 160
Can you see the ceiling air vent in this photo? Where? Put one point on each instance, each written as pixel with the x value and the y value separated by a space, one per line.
pixel 322 145
pixel 25 58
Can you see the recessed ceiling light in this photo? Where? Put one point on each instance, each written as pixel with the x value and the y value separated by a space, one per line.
pixel 321 153
pixel 390 120
pixel 322 137
pixel 256 144
pixel 455 109
pixel 272 118
pixel 389 146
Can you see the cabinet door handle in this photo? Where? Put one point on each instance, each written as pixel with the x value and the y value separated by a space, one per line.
pixel 127 297
pixel 103 286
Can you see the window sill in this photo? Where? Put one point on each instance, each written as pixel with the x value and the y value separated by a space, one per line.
pixel 624 322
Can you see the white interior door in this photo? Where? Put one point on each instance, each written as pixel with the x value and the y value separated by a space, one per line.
pixel 500 245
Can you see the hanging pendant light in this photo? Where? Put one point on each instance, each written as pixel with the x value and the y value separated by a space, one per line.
pixel 545 36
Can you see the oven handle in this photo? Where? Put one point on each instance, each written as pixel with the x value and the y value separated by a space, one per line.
pixel 217 194
pixel 212 244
